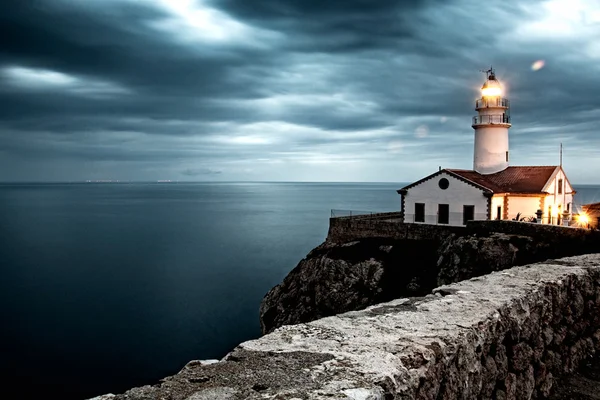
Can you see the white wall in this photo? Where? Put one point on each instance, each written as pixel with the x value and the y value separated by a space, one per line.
pixel 558 202
pixel 456 195
pixel 497 201
pixel 527 206
pixel 491 145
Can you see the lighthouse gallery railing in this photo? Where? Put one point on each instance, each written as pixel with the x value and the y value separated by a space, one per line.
pixel 493 102
pixel 491 119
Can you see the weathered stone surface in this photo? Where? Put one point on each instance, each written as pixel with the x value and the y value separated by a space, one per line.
pixel 479 337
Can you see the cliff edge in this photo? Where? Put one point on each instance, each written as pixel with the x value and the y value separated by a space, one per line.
pixel 505 335
pixel 343 276
pixel 336 278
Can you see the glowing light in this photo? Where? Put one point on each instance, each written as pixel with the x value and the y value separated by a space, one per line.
pixel 539 64
pixel 491 91
pixel 583 219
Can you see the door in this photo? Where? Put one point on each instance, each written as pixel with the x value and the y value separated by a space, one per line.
pixel 443 213
pixel 468 214
pixel 419 212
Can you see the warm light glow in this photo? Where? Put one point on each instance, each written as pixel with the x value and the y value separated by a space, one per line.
pixel 491 91
pixel 539 64
pixel 583 219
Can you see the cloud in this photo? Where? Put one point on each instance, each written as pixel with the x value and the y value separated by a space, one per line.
pixel 200 171
pixel 194 21
pixel 38 79
pixel 287 90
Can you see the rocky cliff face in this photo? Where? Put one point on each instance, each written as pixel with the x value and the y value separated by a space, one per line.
pixel 468 256
pixel 336 278
pixel 463 257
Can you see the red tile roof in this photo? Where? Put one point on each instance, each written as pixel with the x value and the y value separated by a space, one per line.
pixel 512 179
pixel 591 209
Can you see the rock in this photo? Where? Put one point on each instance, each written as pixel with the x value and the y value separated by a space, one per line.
pixel 340 277
pixel 221 393
pixel 336 278
pixel 469 256
pixel 522 355
pixel 363 394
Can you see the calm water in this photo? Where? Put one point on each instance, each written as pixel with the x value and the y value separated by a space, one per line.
pixel 109 286
pixel 112 285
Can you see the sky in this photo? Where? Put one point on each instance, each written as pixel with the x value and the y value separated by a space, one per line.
pixel 290 90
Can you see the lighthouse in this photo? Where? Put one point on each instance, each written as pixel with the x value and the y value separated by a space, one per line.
pixel 492 190
pixel 491 126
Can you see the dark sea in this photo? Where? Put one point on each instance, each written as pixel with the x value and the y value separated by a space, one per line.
pixel 108 286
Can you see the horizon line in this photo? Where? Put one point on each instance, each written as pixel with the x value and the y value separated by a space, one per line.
pixel 167 181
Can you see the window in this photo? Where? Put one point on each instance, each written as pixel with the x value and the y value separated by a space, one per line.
pixel 443 213
pixel 560 186
pixel 499 213
pixel 443 183
pixel 419 212
pixel 568 207
pixel 468 214
pixel 507 156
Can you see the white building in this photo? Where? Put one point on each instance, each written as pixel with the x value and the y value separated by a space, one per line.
pixel 493 189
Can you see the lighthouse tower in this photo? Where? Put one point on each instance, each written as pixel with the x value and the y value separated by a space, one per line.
pixel 491 128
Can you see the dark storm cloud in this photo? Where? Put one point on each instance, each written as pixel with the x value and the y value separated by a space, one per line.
pixel 333 26
pixel 256 89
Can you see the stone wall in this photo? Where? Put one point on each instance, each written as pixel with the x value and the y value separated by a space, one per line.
pixel 505 335
pixel 542 231
pixel 390 226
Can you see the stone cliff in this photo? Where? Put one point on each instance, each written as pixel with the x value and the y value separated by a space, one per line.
pixel 337 278
pixel 349 272
pixel 505 335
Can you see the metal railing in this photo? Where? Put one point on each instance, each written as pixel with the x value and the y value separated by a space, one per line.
pixel 453 218
pixel 491 119
pixel 352 213
pixel 493 102
pixel 553 220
